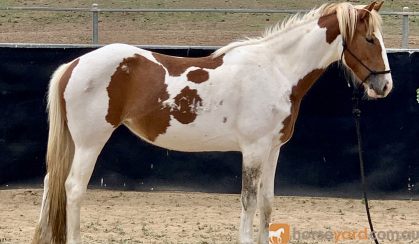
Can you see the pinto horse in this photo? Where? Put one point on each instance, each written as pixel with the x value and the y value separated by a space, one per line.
pixel 244 97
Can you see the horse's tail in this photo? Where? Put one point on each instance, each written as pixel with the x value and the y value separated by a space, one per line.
pixel 60 152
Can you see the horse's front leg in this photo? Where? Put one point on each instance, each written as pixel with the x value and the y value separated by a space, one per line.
pixel 253 157
pixel 266 194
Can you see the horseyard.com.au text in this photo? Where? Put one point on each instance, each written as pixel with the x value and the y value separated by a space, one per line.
pixel 282 234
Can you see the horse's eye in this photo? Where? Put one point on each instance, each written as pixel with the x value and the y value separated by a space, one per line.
pixel 370 40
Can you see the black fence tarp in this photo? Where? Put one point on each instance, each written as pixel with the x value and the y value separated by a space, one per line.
pixel 322 154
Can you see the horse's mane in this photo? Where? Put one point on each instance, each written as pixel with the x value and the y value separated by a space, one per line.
pixel 346 13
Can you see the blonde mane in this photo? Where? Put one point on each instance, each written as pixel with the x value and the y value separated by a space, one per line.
pixel 346 14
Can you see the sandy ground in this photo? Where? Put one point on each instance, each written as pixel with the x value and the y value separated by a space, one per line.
pixel 185 217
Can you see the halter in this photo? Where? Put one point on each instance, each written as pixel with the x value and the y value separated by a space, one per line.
pixel 371 71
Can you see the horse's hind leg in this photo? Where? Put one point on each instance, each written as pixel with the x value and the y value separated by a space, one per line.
pixel 76 185
pixel 87 148
pixel 266 193
pixel 43 218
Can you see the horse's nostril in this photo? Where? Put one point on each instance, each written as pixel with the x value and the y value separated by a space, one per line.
pixel 386 87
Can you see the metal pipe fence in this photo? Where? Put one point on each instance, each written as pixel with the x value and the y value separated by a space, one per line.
pixel 159 47
pixel 95 11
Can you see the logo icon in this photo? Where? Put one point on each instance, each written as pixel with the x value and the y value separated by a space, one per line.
pixel 279 233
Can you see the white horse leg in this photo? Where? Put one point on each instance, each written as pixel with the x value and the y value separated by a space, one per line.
pixel 44 197
pixel 76 186
pixel 88 143
pixel 266 194
pixel 253 158
pixel 43 232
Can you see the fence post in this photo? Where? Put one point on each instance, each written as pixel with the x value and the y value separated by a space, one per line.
pixel 95 23
pixel 405 28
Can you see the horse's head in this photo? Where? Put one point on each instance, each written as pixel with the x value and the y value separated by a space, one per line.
pixel 364 53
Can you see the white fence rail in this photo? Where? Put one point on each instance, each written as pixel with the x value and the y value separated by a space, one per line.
pixel 95 10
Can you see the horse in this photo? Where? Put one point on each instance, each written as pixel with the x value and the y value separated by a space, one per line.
pixel 243 97
pixel 275 237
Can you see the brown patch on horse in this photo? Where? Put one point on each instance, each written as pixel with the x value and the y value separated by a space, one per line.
pixel 296 96
pixel 177 66
pixel 63 84
pixel 198 76
pixel 136 95
pixel 187 102
pixel 330 22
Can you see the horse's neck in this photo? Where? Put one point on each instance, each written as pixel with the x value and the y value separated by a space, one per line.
pixel 302 49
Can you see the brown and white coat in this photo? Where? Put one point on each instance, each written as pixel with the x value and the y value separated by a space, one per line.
pixel 245 97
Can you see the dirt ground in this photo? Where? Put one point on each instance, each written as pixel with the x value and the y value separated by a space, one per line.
pixel 191 217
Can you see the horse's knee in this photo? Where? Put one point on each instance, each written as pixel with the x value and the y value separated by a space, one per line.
pixel 265 200
pixel 250 185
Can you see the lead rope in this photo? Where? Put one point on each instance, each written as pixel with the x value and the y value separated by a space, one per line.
pixel 356 112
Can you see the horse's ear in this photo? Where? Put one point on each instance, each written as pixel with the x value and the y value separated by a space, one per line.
pixel 378 6
pixel 364 13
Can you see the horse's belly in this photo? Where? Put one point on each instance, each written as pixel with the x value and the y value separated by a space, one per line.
pixel 198 137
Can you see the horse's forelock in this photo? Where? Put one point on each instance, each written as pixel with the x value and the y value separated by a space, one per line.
pixel 347 15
